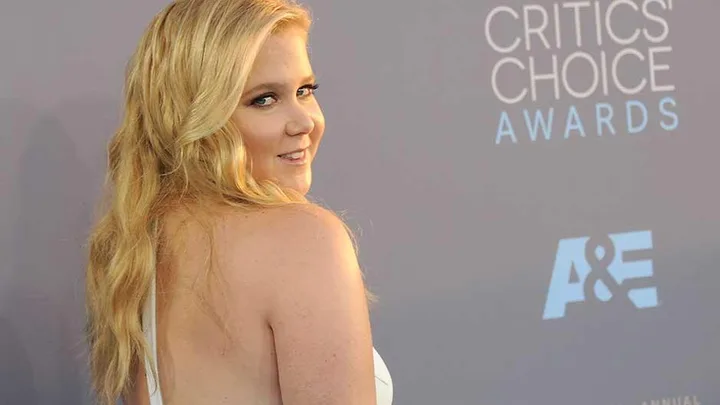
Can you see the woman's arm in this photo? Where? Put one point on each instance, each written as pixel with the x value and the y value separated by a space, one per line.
pixel 318 312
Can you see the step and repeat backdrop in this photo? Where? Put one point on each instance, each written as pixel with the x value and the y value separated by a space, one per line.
pixel 533 184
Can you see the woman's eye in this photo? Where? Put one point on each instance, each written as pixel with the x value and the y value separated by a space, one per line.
pixel 264 101
pixel 307 90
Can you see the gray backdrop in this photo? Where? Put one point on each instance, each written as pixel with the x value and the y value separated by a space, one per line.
pixel 536 236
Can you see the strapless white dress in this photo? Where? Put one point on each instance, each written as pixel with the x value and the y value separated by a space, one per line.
pixel 383 380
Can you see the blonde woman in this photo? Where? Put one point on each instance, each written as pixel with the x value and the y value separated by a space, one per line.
pixel 212 279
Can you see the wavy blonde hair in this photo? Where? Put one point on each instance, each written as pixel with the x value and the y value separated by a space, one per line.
pixel 176 146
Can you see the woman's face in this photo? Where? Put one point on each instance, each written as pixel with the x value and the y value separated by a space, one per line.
pixel 278 117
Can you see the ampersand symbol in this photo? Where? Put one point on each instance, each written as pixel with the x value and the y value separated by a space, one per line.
pixel 599 253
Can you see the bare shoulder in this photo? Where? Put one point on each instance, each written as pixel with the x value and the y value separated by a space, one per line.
pixel 316 305
pixel 307 220
pixel 300 245
pixel 291 247
pixel 289 231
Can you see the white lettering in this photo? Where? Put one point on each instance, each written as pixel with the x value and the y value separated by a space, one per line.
pixel 488 35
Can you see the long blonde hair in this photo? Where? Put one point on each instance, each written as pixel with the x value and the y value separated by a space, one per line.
pixel 176 145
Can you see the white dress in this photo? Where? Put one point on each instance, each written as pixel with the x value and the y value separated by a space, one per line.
pixel 383 381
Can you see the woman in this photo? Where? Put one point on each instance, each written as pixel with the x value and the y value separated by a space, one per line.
pixel 211 272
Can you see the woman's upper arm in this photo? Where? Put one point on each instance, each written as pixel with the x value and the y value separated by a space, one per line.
pixel 318 313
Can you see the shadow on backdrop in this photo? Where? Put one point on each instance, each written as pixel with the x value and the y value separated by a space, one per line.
pixel 52 193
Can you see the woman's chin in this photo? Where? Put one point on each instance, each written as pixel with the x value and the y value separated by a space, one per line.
pixel 299 184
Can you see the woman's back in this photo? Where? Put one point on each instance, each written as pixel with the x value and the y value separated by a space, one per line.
pixel 280 316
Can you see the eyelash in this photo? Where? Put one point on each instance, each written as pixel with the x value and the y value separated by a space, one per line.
pixel 311 87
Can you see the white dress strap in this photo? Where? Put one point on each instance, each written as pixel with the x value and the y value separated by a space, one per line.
pixel 150 330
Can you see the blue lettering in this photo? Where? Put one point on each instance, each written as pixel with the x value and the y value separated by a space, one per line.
pixel 540 120
pixel 573 123
pixel 562 290
pixel 672 115
pixel 571 270
pixel 505 129
pixel 633 129
pixel 604 118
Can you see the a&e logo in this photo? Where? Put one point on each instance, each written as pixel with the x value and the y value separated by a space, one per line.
pixel 598 268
